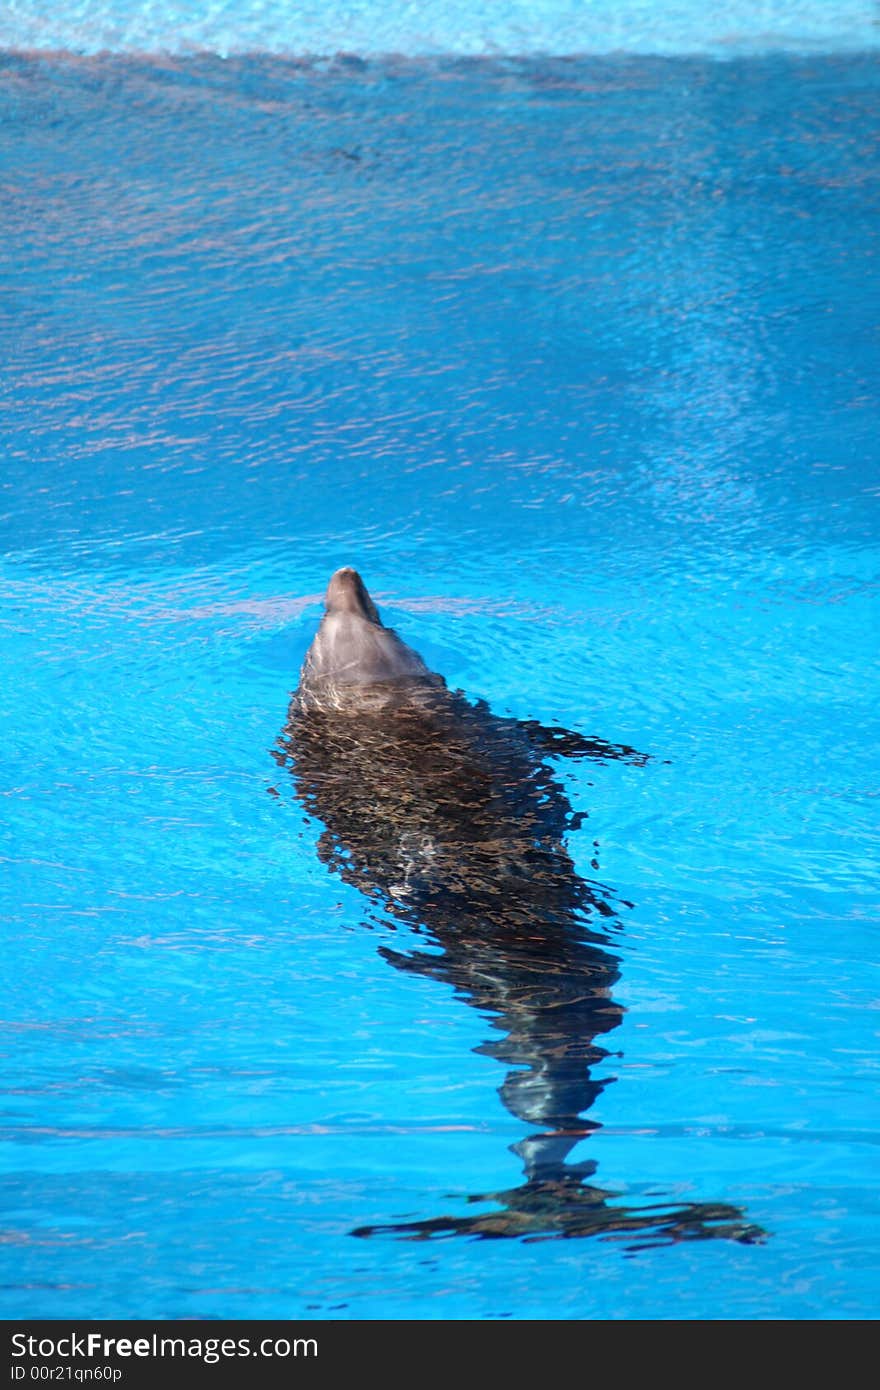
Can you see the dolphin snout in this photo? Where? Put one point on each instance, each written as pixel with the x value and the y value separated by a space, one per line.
pixel 347 593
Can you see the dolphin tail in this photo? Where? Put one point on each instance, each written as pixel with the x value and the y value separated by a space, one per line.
pixel 566 1208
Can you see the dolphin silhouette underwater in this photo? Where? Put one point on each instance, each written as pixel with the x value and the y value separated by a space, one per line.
pixel 450 819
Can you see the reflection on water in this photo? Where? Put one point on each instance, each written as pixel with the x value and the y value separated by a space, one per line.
pixel 451 821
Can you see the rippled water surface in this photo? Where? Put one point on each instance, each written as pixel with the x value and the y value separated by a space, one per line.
pixel 576 361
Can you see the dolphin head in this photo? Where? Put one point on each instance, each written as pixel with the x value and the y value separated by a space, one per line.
pixel 354 658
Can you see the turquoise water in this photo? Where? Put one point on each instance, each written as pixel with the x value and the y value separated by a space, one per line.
pixel 575 360
pixel 474 27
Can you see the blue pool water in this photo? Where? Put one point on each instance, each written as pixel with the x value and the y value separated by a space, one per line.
pixel 576 360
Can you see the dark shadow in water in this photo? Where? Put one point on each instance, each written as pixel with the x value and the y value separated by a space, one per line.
pixel 450 819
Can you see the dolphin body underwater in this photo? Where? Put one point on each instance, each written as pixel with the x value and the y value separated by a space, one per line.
pixel 451 821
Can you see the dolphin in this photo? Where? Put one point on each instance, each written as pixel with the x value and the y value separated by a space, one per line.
pixel 450 819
